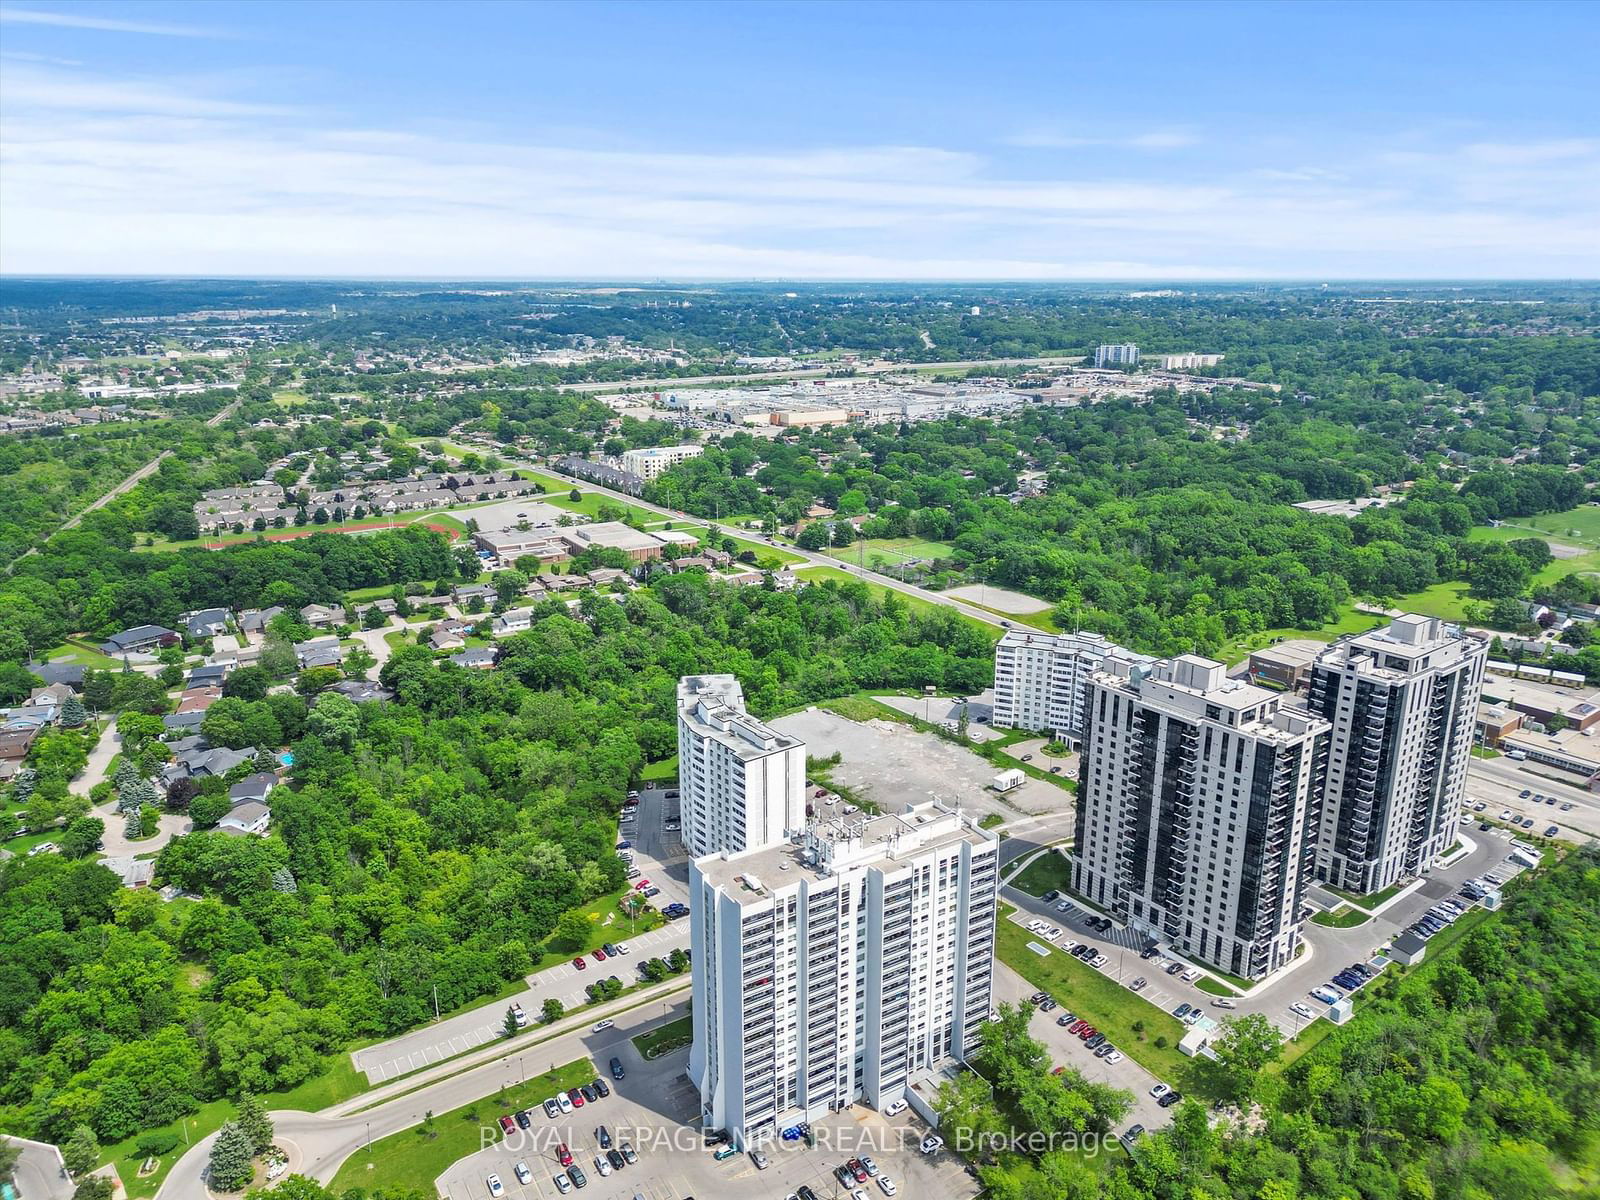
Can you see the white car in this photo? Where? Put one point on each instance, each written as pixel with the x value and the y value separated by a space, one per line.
pixel 622 948
pixel 496 1188
pixel 563 1184
pixel 931 1143
pixel 522 1173
pixel 1114 1057
pixel 886 1184
pixel 601 1165
pixel 872 1167
pixel 1159 1091
pixel 1190 975
pixel 599 1025
pixel 563 1103
pixel 895 1109
pixel 1064 906
pixel 1100 960
pixel 1303 1010
pixel 1506 815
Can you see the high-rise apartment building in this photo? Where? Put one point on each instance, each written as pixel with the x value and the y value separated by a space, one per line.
pixel 1124 355
pixel 652 461
pixel 1198 799
pixel 1402 703
pixel 742 783
pixel 1039 679
pixel 830 968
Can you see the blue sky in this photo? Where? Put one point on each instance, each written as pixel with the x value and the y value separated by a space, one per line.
pixel 1152 141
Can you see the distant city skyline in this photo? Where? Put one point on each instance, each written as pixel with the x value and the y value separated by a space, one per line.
pixel 1183 142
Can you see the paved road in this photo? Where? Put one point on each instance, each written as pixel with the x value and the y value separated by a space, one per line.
pixel 876 368
pixel 319 1143
pixel 811 558
pixel 1500 783
pixel 95 770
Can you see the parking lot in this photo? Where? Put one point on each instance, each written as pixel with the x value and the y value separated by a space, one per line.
pixel 656 1110
pixel 894 765
pixel 1329 949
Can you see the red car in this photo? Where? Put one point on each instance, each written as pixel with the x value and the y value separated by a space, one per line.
pixel 599 956
pixel 1077 1025
pixel 507 1125
pixel 580 963
pixel 564 1155
pixel 641 885
pixel 576 1097
pixel 857 1169
pixel 1087 1032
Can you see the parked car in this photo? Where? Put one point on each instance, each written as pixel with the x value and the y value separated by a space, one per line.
pixel 575 1173
pixel 563 1184
pixel 759 1159
pixel 600 1087
pixel 552 1109
pixel 563 1155
pixel 1170 1099
pixel 522 1173
pixel 580 963
pixel 931 1143
pixel 496 1188
pixel 616 1068
pixel 895 1109
pixel 602 1166
pixel 1159 1091
pixel 507 1126
pixel 522 1118
pixel 628 1153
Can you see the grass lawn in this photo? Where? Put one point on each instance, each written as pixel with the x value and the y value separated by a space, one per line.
pixel 339 1082
pixel 1047 873
pixel 1106 1004
pixel 1343 917
pixel 762 550
pixel 415 1157
pixel 82 654
pixel 992 821
pixel 287 396
pixel 600 932
pixel 914 603
pixel 1044 621
pixel 674 1035
pixel 1367 902
pixel 861 707
pixel 1577 526
pixel 1212 987
pixel 1447 600
pixel 893 551
pixel 660 772
pixel 1349 621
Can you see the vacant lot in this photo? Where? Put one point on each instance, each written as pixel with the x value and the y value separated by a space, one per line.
pixel 893 765
pixel 1000 598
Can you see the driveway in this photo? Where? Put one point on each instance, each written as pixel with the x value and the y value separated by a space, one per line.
pixel 99 765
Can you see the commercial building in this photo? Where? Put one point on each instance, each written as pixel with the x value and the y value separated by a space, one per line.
pixel 1287 664
pixel 1578 708
pixel 1039 679
pixel 635 543
pixel 1198 800
pixel 649 463
pixel 1187 362
pixel 742 782
pixel 836 966
pixel 1495 722
pixel 1568 750
pixel 1403 705
pixel 1124 355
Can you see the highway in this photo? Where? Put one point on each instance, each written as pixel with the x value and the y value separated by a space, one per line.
pixel 858 370
pixel 811 557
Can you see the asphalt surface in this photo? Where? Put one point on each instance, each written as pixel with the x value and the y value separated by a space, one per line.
pixel 666 384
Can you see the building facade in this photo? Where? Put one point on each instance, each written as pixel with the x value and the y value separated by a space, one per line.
pixel 833 967
pixel 1124 355
pixel 1402 702
pixel 742 783
pixel 1039 679
pixel 652 461
pixel 1198 800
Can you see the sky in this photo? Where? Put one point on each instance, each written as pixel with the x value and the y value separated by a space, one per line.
pixel 1153 141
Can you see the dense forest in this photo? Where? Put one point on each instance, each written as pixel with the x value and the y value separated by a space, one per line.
pixel 432 842
pixel 1472 1077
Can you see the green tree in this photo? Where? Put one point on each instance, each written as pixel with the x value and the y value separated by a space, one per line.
pixel 552 1011
pixel 253 1120
pixel 79 839
pixel 1246 1046
pixel 573 929
pixel 232 1159
pixel 509 1026
pixel 73 713
pixel 81 1151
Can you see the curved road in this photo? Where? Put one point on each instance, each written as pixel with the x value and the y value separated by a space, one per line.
pixel 324 1142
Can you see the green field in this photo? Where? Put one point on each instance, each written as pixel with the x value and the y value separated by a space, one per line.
pixel 893 551
pixel 1047 873
pixel 620 928
pixel 415 1157
pixel 82 654
pixel 914 603
pixel 659 772
pixel 1349 621
pixel 1343 917
pixel 1577 526
pixel 674 1035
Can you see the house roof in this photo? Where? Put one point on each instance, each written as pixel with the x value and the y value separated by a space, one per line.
pixel 139 634
pixel 256 787
pixel 243 815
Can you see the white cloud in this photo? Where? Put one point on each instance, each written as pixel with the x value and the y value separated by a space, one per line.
pixel 28 16
pixel 1054 139
pixel 174 176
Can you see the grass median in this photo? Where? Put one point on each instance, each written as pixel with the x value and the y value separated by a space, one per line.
pixel 415 1157
pixel 1139 1029
pixel 674 1035
pixel 1046 873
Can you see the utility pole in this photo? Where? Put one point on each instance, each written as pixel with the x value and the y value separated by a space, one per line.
pixel 436 1002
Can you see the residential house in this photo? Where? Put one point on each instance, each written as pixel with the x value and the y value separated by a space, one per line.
pixel 198 699
pixel 448 635
pixel 255 787
pixel 361 691
pixel 467 592
pixel 186 722
pixel 515 620
pixel 250 817
pixel 479 658
pixel 70 674
pixel 208 675
pixel 319 652
pixel 203 761
pixel 323 616
pixel 254 621
pixel 141 639
pixel 52 695
pixel 204 623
